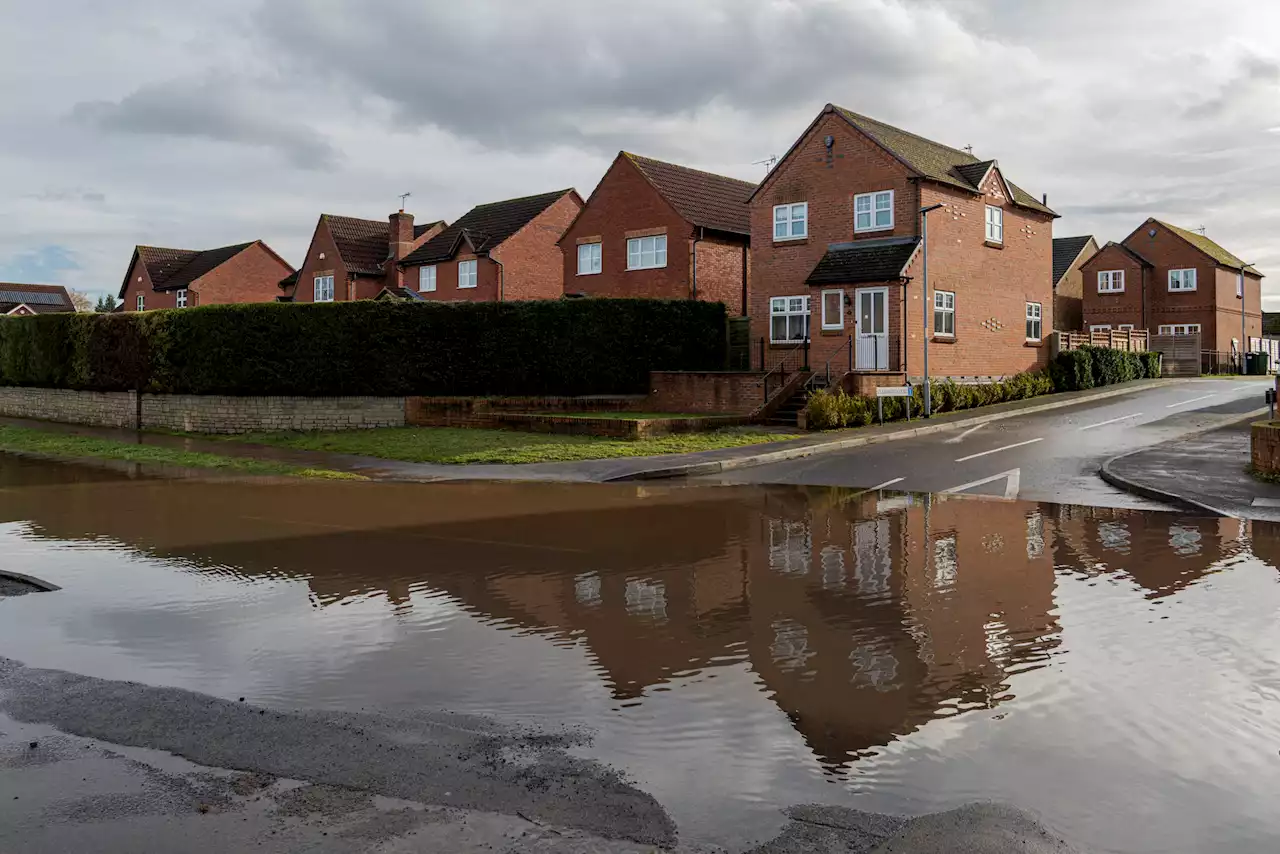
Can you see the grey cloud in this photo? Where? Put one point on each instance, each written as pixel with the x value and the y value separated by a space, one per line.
pixel 215 108
pixel 1255 72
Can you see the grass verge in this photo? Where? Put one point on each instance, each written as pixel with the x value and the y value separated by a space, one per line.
pixel 1259 474
pixel 70 446
pixel 456 445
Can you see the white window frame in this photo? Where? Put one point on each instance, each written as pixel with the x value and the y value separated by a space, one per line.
pixel 323 291
pixel 1125 327
pixel 787 307
pixel 468 273
pixel 141 302
pixel 1179 328
pixel 1099 327
pixel 838 323
pixel 427 278
pixel 594 257
pixel 1111 281
pixel 995 224
pixel 181 300
pixel 1035 314
pixel 870 205
pixel 790 216
pixel 1182 280
pixel 647 253
pixel 944 305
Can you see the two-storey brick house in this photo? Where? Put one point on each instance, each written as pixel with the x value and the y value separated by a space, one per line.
pixel 1172 281
pixel 1069 255
pixel 656 229
pixel 499 251
pixel 182 278
pixel 351 258
pixel 836 252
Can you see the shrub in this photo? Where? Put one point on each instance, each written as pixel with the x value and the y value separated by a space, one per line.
pixel 1150 365
pixel 563 347
pixel 1072 370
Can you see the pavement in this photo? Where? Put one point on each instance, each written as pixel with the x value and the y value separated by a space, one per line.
pixel 114 767
pixel 1032 455
pixel 1204 473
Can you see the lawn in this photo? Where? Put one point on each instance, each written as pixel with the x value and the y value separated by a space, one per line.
pixel 457 445
pixel 623 416
pixel 66 445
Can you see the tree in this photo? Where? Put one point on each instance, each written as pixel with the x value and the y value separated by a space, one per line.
pixel 105 303
pixel 80 300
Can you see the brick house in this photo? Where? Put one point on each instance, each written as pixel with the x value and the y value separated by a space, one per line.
pixel 835 253
pixel 352 258
pixel 1170 280
pixel 1069 254
pixel 181 278
pixel 655 229
pixel 499 251
pixel 23 300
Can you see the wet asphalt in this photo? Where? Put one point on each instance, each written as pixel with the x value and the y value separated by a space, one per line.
pixel 1046 456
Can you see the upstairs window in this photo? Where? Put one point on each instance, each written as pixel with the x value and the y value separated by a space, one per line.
pixel 791 222
pixel 142 302
pixel 873 211
pixel 995 224
pixel 944 313
pixel 467 274
pixel 1182 280
pixel 182 298
pixel 645 253
pixel 1111 281
pixel 788 319
pixel 324 289
pixel 427 278
pixel 588 259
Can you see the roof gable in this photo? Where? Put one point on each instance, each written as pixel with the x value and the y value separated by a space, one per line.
pixel 1065 252
pixel 1208 247
pixel 484 227
pixel 173 269
pixel 1111 244
pixel 705 199
pixel 363 244
pixel 38 299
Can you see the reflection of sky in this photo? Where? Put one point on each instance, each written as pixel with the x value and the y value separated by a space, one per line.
pixel 1154 727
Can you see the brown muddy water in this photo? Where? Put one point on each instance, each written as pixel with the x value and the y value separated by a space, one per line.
pixel 734 649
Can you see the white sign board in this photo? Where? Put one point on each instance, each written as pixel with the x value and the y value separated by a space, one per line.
pixel 894 391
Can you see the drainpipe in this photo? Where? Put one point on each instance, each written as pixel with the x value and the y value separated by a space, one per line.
pixel 702 232
pixel 746 250
pixel 502 279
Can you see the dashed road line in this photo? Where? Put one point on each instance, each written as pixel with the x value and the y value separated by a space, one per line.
pixel 1192 400
pixel 998 450
pixel 955 440
pixel 1113 421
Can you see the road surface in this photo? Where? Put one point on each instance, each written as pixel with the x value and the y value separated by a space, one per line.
pixel 1045 456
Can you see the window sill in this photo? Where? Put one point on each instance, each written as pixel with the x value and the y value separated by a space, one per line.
pixel 876 231
pixel 642 269
pixel 1185 291
pixel 790 241
pixel 943 339
pixel 1110 293
pixel 595 273
pixel 992 244
pixel 834 330
pixel 1033 343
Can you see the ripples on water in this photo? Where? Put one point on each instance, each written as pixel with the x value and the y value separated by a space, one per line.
pixel 734 649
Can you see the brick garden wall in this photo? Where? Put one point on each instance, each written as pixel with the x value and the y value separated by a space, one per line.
pixel 712 392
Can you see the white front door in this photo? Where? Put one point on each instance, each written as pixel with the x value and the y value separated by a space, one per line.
pixel 873 329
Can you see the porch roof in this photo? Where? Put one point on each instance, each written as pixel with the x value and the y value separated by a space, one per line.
pixel 882 260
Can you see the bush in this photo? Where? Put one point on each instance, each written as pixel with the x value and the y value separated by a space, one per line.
pixel 1150 365
pixel 830 410
pixel 562 347
pixel 1072 370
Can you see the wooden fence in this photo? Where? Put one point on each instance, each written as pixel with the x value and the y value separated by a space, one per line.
pixel 1135 340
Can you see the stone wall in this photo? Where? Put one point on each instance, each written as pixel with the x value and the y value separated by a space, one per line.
pixel 94 408
pixel 202 413
pixel 711 392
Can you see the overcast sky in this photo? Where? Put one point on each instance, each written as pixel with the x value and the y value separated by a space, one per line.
pixel 196 125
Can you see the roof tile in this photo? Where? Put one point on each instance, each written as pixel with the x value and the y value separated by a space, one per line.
pixel 703 198
pixel 864 261
pixel 1065 251
pixel 1209 247
pixel 485 226
pixel 42 299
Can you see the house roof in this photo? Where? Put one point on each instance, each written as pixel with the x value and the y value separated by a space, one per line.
pixel 484 227
pixel 1208 247
pixel 289 280
pixel 933 160
pixel 42 299
pixel 1065 252
pixel 1125 249
pixel 703 198
pixel 364 244
pixel 399 293
pixel 865 261
pixel 172 269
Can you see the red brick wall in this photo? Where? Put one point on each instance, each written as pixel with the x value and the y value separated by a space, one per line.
pixel 623 203
pixel 711 392
pixel 992 285
pixel 1113 309
pixel 313 265
pixel 1068 302
pixel 447 290
pixel 252 276
pixel 164 299
pixel 828 184
pixel 719 274
pixel 531 258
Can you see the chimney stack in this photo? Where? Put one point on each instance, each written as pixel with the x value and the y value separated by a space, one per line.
pixel 400 240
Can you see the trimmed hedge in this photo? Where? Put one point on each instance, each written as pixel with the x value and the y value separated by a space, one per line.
pixel 547 347
pixel 828 410
pixel 1090 367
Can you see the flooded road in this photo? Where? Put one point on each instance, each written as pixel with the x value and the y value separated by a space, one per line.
pixel 734 649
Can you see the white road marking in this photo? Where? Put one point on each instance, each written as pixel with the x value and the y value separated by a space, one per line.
pixel 1192 400
pixel 1113 421
pixel 1014 477
pixel 886 484
pixel 998 450
pixel 1266 502
pixel 955 440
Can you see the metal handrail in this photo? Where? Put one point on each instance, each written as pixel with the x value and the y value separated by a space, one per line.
pixel 781 368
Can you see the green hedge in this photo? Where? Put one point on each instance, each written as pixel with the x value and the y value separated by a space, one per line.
pixel 560 347
pixel 1090 367
pixel 828 410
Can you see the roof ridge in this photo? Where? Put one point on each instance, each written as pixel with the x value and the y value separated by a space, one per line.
pixel 521 199
pixel 632 155
pixel 959 151
pixel 355 218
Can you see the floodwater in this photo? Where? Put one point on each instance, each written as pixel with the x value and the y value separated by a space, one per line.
pixel 734 649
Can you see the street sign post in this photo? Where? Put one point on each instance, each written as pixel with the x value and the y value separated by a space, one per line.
pixel 893 391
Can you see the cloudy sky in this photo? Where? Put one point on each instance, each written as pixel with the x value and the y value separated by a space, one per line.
pixel 201 124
